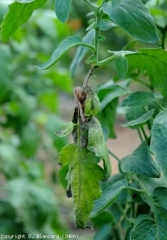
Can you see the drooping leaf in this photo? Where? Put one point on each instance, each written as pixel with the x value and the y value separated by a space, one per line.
pixel 96 142
pixel 160 208
pixel 62 9
pixel 134 18
pixel 64 46
pixel 122 66
pixel 138 99
pixel 67 154
pixel 84 177
pixel 65 129
pixel 145 229
pixel 18 14
pixel 105 24
pixel 139 121
pixel 81 51
pixel 159 141
pixel 108 196
pixel 141 163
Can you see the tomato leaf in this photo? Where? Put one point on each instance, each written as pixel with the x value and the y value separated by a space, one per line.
pixel 96 142
pixel 139 121
pixel 133 17
pixel 65 129
pixel 141 163
pixel 62 9
pixel 108 196
pixel 64 46
pixel 18 14
pixel 159 141
pixel 122 66
pixel 138 99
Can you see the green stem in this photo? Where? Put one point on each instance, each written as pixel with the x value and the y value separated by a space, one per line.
pixel 139 133
pixel 113 155
pixel 124 214
pixel 117 232
pixel 87 77
pixel 144 134
pixel 91 6
pixel 97 33
pixel 162 108
pixel 104 62
pixel 87 45
pixel 143 83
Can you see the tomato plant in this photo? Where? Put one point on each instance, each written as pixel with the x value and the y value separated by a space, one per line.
pixel 132 204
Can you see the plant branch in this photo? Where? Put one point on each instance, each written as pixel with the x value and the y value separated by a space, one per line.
pixel 91 6
pixel 139 133
pixel 104 62
pixel 162 108
pixel 144 134
pixel 113 155
pixel 87 77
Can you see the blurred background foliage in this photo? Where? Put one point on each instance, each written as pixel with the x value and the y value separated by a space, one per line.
pixel 34 104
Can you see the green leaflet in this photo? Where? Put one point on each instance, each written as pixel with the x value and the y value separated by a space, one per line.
pixel 159 141
pixel 145 228
pixel 138 99
pixel 139 121
pixel 18 14
pixel 141 163
pixel 96 142
pixel 64 46
pixel 122 66
pixel 106 24
pixel 65 156
pixel 84 176
pixel 109 195
pixel 62 9
pixel 160 208
pixel 133 17
pixel 65 129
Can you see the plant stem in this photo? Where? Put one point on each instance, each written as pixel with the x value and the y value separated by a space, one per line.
pixel 104 62
pixel 97 33
pixel 116 232
pixel 124 214
pixel 145 135
pixel 91 6
pixel 87 77
pixel 113 155
pixel 139 133
pixel 87 45
pixel 162 108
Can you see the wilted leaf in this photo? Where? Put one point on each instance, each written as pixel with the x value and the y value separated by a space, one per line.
pixel 96 142
pixel 65 129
